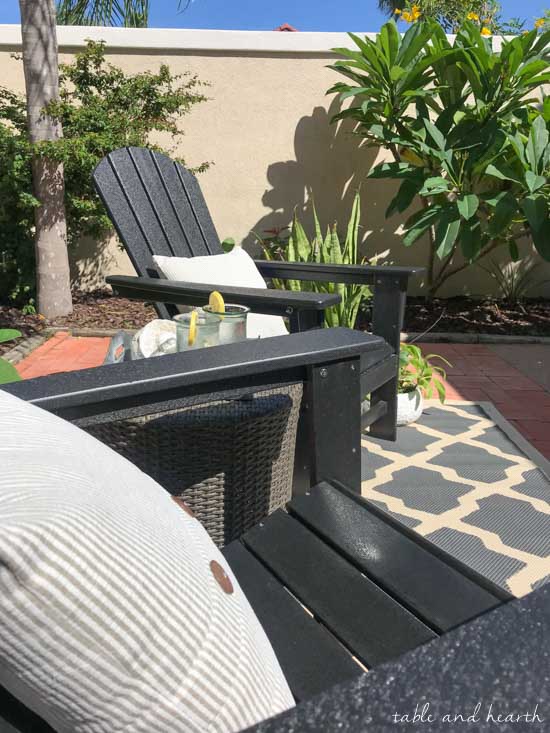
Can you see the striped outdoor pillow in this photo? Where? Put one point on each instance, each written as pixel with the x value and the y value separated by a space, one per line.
pixel 117 612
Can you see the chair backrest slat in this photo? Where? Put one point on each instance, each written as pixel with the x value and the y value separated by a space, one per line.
pixel 156 206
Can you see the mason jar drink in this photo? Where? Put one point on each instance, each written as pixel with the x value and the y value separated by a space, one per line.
pixel 232 323
pixel 197 332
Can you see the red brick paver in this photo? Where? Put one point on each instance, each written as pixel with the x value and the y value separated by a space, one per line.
pixel 481 375
pixel 63 353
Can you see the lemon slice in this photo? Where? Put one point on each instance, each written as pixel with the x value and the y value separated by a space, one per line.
pixel 216 302
pixel 192 328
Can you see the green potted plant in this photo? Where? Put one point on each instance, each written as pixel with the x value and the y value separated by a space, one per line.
pixel 418 378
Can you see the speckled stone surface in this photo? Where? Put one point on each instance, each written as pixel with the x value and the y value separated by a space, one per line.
pixel 500 661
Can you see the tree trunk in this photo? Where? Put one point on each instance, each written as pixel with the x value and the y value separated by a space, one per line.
pixel 42 84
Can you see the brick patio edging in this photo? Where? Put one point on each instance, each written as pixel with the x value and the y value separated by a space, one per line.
pixel 24 348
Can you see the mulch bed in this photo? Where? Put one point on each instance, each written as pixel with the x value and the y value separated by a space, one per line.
pixel 97 310
pixel 464 315
pixel 102 310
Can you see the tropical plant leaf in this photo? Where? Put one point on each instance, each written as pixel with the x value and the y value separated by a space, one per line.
pixel 541 240
pixel 446 232
pixel 505 209
pixel 9 334
pixel 537 145
pixel 436 135
pixel 403 199
pixel 351 244
pixel 419 223
pixel 392 170
pixel 434 185
pixel 389 40
pixel 8 373
pixel 505 173
pixel 303 247
pixel 535 209
pixel 533 181
pixel 467 205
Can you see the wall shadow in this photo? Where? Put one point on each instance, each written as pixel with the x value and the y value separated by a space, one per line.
pixel 90 261
pixel 331 163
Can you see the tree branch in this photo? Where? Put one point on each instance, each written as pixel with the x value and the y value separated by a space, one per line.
pixel 442 278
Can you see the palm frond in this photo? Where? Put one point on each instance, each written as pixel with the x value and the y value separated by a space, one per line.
pixel 126 13
pixel 390 6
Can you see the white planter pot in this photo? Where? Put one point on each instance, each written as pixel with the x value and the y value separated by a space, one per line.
pixel 409 406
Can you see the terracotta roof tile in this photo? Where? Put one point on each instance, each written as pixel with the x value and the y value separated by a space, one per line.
pixel 286 27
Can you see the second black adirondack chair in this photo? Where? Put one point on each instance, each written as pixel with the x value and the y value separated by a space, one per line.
pixel 157 208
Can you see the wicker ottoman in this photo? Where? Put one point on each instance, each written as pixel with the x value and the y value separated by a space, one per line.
pixel 231 460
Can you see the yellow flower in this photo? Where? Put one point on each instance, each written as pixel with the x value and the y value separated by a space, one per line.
pixel 397 11
pixel 540 23
pixel 485 31
pixel 407 16
pixel 472 16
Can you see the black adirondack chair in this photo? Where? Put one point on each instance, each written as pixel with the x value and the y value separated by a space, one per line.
pixel 157 208
pixel 375 593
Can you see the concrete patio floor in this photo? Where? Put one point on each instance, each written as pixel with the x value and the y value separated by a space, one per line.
pixel 515 378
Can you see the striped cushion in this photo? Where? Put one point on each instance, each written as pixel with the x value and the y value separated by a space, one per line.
pixel 117 612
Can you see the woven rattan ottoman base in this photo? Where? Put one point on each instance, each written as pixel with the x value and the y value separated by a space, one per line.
pixel 231 460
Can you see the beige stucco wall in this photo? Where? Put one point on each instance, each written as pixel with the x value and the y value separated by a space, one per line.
pixel 266 129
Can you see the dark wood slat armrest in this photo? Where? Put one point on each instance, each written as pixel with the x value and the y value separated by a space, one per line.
pixel 310 271
pixel 269 302
pixel 199 371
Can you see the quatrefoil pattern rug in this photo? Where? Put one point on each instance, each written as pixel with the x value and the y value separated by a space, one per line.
pixel 462 478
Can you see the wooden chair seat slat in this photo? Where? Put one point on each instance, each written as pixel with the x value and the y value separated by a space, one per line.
pixel 356 610
pixel 426 584
pixel 311 658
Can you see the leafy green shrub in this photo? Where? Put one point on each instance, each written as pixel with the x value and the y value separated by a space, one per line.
pixel 458 121
pixel 298 247
pixel 101 108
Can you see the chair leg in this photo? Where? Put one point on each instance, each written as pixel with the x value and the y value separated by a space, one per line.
pixel 387 320
pixel 305 320
pixel 385 427
pixel 329 448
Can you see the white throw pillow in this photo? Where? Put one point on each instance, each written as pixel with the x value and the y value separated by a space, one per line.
pixel 235 268
pixel 117 611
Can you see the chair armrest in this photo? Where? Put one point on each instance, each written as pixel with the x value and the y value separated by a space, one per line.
pixel 270 302
pixel 202 371
pixel 358 274
pixel 388 309
pixel 390 288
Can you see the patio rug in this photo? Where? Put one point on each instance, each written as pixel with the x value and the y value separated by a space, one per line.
pixel 466 480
